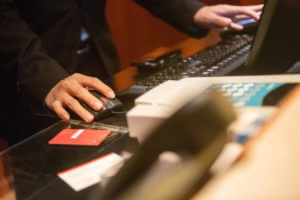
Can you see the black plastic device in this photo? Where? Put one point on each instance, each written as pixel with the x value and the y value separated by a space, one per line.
pixel 109 105
pixel 158 63
pixel 218 60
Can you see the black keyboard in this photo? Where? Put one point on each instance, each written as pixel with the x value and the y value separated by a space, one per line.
pixel 218 60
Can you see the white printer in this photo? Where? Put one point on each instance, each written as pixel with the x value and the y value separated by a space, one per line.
pixel 161 102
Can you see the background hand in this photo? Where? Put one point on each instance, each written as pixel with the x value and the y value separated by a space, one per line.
pixel 226 15
pixel 64 92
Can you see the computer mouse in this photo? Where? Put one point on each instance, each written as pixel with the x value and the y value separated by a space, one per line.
pixel 109 105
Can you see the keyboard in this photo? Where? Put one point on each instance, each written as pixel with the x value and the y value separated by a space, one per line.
pixel 218 60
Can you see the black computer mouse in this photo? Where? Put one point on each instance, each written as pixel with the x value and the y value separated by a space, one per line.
pixel 109 105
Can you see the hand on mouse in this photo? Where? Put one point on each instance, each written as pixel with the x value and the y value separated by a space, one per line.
pixel 64 92
pixel 225 15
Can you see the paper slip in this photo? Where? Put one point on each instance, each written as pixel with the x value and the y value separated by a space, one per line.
pixel 92 172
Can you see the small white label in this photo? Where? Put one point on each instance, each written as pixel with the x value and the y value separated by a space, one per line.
pixel 77 133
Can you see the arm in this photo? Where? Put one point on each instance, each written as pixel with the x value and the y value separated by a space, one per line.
pixel 178 13
pixel 21 52
pixel 194 18
pixel 40 77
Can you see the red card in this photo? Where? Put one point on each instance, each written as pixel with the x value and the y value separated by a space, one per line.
pixel 80 137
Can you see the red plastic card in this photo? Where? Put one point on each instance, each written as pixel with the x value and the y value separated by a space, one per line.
pixel 89 137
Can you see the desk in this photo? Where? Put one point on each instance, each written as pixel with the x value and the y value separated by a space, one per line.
pixel 29 169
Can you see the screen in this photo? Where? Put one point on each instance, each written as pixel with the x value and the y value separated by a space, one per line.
pixel 276 47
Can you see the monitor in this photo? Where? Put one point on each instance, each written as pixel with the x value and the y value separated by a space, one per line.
pixel 276 47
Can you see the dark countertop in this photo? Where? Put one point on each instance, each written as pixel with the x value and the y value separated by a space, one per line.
pixel 30 167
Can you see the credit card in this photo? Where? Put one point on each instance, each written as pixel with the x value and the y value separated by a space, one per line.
pixel 90 137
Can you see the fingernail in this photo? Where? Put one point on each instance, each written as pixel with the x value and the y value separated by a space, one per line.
pixel 98 105
pixel 111 94
pixel 66 117
pixel 89 118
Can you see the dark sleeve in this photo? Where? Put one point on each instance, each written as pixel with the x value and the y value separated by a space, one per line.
pixel 178 13
pixel 21 53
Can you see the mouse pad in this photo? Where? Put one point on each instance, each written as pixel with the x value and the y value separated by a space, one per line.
pixel 89 137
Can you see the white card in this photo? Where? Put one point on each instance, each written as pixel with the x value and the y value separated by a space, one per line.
pixel 92 172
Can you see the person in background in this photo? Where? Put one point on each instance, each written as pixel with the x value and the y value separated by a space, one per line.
pixel 52 52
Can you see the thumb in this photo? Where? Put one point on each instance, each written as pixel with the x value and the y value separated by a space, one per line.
pixel 236 26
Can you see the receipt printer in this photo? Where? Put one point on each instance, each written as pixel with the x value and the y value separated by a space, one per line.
pixel 156 105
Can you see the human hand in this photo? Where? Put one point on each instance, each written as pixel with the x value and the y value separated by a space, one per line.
pixel 64 92
pixel 224 15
